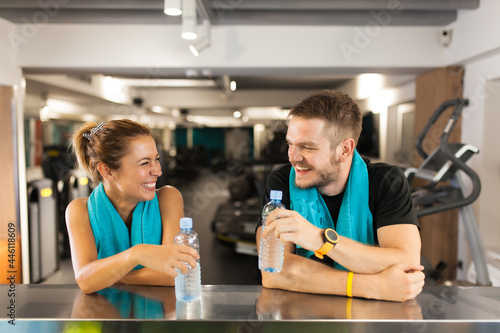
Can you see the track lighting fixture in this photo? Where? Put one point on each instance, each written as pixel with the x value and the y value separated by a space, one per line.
pixel 173 7
pixel 203 43
pixel 189 19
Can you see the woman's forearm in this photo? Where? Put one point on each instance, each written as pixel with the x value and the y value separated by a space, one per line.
pixel 147 276
pixel 102 273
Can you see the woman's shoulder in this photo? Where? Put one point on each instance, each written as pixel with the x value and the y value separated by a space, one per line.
pixel 168 193
pixel 170 202
pixel 78 204
pixel 76 210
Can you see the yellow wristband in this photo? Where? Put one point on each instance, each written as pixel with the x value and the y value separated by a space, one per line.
pixel 348 308
pixel 349 284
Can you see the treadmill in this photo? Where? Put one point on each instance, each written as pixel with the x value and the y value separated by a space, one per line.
pixel 443 168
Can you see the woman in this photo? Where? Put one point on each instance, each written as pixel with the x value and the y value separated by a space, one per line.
pixel 123 233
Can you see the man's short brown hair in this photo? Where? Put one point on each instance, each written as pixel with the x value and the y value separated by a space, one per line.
pixel 341 113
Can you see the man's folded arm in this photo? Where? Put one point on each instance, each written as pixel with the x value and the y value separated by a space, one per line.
pixel 399 282
pixel 399 243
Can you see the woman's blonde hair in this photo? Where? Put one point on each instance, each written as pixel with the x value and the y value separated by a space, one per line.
pixel 104 143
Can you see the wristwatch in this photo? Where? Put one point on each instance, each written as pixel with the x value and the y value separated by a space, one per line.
pixel 331 238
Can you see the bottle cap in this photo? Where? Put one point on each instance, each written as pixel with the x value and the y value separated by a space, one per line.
pixel 276 195
pixel 186 223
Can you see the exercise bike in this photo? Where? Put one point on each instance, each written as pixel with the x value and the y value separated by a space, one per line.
pixel 446 189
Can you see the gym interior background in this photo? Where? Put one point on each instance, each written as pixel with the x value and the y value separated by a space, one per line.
pixel 219 118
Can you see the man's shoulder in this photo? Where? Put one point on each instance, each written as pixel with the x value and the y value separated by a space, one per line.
pixel 382 173
pixel 279 177
pixel 381 169
pixel 282 169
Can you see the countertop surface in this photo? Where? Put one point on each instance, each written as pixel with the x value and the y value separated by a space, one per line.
pixel 245 308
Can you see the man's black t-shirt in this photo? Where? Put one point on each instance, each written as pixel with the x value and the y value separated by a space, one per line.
pixel 389 195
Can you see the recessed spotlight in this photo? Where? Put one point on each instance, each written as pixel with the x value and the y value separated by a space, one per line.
pixel 232 86
pixel 157 109
pixel 173 7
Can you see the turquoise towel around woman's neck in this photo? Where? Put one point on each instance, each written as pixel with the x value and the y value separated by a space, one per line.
pixel 355 220
pixel 110 232
pixel 133 306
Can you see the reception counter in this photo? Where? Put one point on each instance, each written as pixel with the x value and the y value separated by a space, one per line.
pixel 224 308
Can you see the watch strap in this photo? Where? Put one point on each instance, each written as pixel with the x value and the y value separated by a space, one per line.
pixel 323 250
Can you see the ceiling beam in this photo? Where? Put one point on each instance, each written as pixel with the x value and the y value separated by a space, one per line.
pixel 302 6
pixel 260 17
pixel 278 5
pixel 336 18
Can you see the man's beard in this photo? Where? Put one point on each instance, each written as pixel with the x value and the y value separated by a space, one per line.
pixel 323 177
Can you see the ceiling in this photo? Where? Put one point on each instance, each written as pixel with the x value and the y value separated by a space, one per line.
pixel 229 12
pixel 247 12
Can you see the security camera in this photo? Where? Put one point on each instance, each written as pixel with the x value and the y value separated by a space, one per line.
pixel 446 37
pixel 138 101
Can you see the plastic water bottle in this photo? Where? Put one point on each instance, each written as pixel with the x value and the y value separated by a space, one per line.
pixel 188 286
pixel 188 310
pixel 271 248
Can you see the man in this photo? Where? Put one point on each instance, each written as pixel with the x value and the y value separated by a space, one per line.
pixel 373 250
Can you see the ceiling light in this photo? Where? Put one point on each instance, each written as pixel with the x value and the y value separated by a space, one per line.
pixel 232 86
pixel 270 112
pixel 157 109
pixel 189 19
pixel 197 48
pixel 259 127
pixel 175 113
pixel 204 42
pixel 45 113
pixel 369 84
pixel 176 83
pixel 236 114
pixel 173 7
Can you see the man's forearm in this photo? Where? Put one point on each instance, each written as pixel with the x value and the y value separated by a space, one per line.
pixel 361 258
pixel 304 275
pixel 398 244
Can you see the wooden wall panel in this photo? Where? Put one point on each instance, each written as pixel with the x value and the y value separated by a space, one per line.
pixel 439 231
pixel 10 249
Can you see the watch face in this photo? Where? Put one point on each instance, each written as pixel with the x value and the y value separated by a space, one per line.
pixel 331 235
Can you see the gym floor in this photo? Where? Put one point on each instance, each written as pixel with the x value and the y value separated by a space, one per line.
pixel 220 264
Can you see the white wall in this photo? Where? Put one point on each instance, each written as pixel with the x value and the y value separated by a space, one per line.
pixel 474 33
pixel 397 90
pixel 490 207
pixel 264 49
pixel 476 46
pixel 10 73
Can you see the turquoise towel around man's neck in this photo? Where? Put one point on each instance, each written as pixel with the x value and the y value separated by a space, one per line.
pixel 110 232
pixel 355 220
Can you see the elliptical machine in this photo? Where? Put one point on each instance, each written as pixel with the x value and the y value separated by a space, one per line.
pixel 439 167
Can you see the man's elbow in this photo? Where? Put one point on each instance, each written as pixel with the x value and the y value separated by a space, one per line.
pixel 268 280
pixel 275 280
pixel 412 257
pixel 414 254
